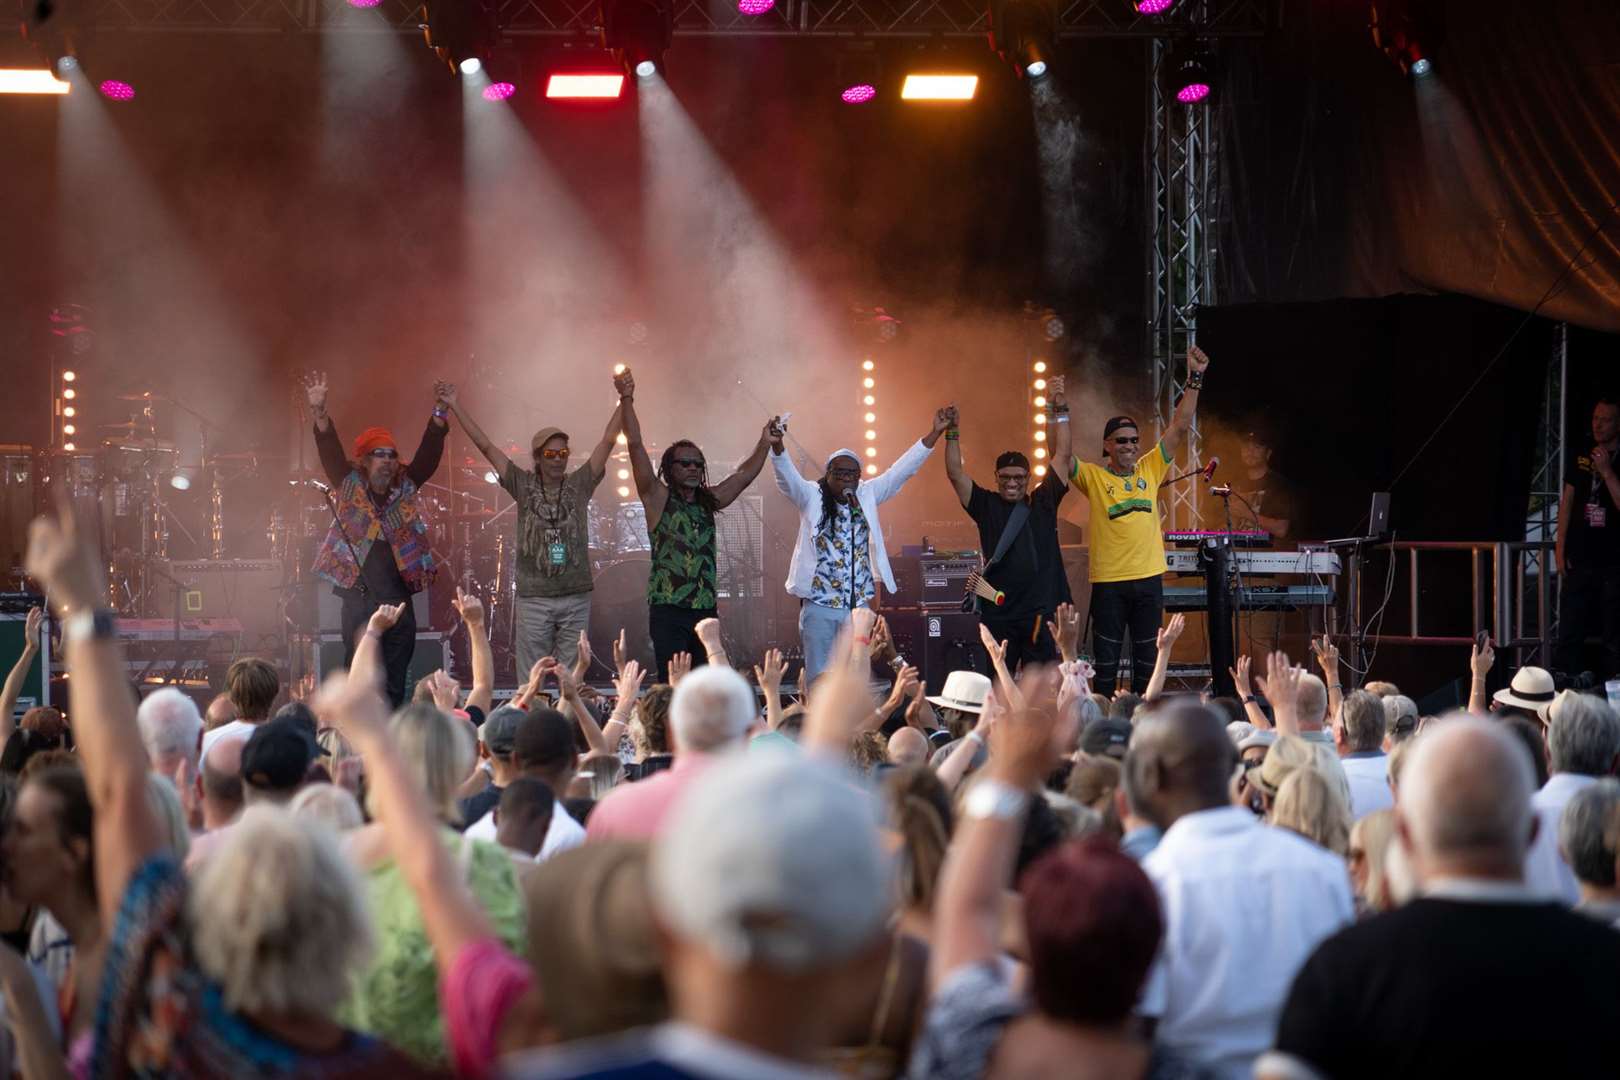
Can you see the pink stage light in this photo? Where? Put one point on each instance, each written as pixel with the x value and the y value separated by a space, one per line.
pixel 754 7
pixel 859 94
pixel 1154 7
pixel 364 3
pixel 116 90
pixel 1192 94
pixel 499 91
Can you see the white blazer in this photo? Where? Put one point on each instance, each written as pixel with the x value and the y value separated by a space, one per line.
pixel 806 495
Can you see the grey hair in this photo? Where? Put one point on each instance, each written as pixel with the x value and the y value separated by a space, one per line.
pixel 711 709
pixel 438 752
pixel 1584 837
pixel 329 805
pixel 165 800
pixel 1312 704
pixel 1363 717
pixel 1465 789
pixel 1583 735
pixel 170 725
pixel 278 916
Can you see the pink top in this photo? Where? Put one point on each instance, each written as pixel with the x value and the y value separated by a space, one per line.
pixel 482 984
pixel 637 811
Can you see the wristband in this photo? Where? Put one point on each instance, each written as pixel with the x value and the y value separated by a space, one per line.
pixel 82 626
pixel 974 736
pixel 440 412
pixel 1336 686
pixel 1059 410
pixel 1250 699
pixel 1061 418
pixel 1195 380
pixel 995 800
pixel 952 434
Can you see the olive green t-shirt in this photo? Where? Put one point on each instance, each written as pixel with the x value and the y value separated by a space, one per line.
pixel 553 533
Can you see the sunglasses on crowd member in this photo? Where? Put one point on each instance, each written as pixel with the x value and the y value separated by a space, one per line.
pixel 554 455
pixel 385 454
pixel 690 463
pixel 1127 440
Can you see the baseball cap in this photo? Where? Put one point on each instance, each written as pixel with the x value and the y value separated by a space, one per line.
pixel 1106 736
pixel 498 733
pixel 277 755
pixel 773 860
pixel 545 434
pixel 1115 423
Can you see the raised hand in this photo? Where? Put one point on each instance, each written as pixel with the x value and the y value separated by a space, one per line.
pixel 1281 687
pixel 862 622
pixel 618 652
pixel 469 607
pixel 944 418
pixel 708 632
pixel 1065 631
pixel 996 649
pixel 383 619
pixel 445 392
pixel 1240 677
pixel 1054 392
pixel 582 658
pixel 842 702
pixel 883 649
pixel 905 684
pixel 625 383
pixel 770 673
pixel 315 388
pixel 628 684
pixel 65 559
pixel 446 691
pixel 775 430
pixel 679 665
pixel 1327 656
pixel 1169 633
pixel 1023 747
pixel 31 628
pixel 1481 658
pixel 1197 359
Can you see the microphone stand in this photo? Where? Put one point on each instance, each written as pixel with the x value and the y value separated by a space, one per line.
pixel 359 576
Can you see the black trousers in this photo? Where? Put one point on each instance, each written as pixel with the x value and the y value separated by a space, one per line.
pixel 1027 637
pixel 398 644
pixel 1119 608
pixel 672 630
pixel 1588 600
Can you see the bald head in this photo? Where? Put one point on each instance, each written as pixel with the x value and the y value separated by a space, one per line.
pixel 1312 703
pixel 221 781
pixel 1465 801
pixel 1180 762
pixel 908 746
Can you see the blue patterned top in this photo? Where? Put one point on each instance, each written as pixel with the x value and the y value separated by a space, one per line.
pixel 843 549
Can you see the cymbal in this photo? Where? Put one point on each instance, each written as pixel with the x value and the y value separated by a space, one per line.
pixel 127 425
pixel 145 395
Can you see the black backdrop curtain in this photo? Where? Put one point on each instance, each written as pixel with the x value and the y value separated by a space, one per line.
pixel 1342 177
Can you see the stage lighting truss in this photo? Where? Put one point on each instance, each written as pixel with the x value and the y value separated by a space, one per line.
pixel 638 32
pixel 1037 402
pixel 691 18
pixel 1022 33
pixel 1191 72
pixel 461 32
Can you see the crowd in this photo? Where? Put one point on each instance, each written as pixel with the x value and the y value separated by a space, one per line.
pixel 707 878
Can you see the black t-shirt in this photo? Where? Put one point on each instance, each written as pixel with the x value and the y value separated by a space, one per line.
pixel 475 806
pixel 1031 572
pixel 1452 988
pixel 1593 540
pixel 1267 497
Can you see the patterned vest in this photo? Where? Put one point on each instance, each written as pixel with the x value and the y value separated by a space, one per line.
pixel 398 524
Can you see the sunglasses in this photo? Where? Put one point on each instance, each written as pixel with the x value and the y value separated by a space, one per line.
pixel 553 455
pixel 1127 440
pixel 845 474
pixel 385 454
pixel 690 463
pixel 1013 478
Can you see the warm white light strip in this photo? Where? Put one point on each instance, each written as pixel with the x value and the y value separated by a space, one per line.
pixel 30 81
pixel 939 87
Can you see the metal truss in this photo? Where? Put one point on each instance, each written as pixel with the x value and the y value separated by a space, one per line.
pixel 1181 152
pixel 1546 489
pixel 693 18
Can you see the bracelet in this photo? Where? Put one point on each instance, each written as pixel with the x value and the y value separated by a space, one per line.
pixel 440 412
pixel 1195 380
pixel 859 640
pixel 952 434
pixel 973 736
pixel 1250 699
pixel 1336 686
pixel 1059 410
pixel 1061 418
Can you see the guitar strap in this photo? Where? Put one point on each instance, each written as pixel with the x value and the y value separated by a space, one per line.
pixel 1009 532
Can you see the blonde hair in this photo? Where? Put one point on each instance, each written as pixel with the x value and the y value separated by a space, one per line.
pixel 438 752
pixel 328 804
pixel 1310 804
pixel 278 916
pixel 165 800
pixel 1376 832
pixel 603 772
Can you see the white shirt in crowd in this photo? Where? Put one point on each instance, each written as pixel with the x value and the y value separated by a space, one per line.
pixel 1368 774
pixel 562 834
pixel 1244 906
pixel 234 727
pixel 1545 871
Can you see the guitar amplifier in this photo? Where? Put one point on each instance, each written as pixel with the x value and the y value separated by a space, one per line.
pixel 937 643
pixel 944 580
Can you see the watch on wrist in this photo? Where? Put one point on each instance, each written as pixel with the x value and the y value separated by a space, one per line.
pixel 994 800
pixel 1195 380
pixel 1250 699
pixel 95 625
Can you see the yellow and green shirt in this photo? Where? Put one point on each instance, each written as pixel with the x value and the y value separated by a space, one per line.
pixel 1126 543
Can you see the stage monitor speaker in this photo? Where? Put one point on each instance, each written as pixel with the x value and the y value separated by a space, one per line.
pixel 937 643
pixel 428 658
pixel 36 688
pixel 247 590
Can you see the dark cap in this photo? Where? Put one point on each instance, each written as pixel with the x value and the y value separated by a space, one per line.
pixel 499 731
pixel 1116 423
pixel 277 756
pixel 1106 737
pixel 1012 457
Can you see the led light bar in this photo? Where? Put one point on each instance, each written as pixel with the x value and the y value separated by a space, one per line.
pixel 585 84
pixel 30 81
pixel 939 87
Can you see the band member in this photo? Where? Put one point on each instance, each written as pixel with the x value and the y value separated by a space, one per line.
pixel 553 541
pixel 1029 572
pixel 840 551
pixel 376 549
pixel 1588 547
pixel 680 505
pixel 1261 499
pixel 1127 547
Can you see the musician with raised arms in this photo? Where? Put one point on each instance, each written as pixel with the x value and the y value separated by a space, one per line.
pixel 1023 560
pixel 1127 545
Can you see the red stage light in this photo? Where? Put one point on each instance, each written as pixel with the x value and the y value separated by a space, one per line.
pixel 578 84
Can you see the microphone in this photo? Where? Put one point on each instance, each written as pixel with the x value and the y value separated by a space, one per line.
pixel 1209 470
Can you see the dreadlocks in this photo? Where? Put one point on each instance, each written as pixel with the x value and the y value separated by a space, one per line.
pixel 705 497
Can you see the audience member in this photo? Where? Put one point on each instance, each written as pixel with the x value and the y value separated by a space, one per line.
pixel 523 816
pixel 649 733
pixel 709 715
pixel 1583 743
pixel 907 746
pixel 1106 738
pixel 543 750
pixel 220 712
pixel 1361 732
pixel 1446 984
pixel 328 804
pixel 221 783
pixel 1381 689
pixel 1527 695
pixel 1310 804
pixel 1534 738
pixel 172 731
pixel 495 738
pixel 253 687
pixel 1370 840
pixel 1220 980
pixel 1589 842
pixel 1400 720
